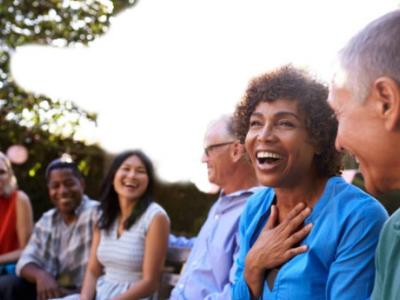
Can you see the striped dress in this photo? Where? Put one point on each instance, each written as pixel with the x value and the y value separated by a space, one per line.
pixel 122 257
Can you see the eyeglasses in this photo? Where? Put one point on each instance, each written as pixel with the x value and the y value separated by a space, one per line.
pixel 213 146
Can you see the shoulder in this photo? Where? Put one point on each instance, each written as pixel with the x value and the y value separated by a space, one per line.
pixel 257 204
pixel 392 224
pixel 22 197
pixel 351 197
pixel 23 201
pixel 90 207
pixel 46 221
pixel 90 203
pixel 259 198
pixel 354 204
pixel 154 211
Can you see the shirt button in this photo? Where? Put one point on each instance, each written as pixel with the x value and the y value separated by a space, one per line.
pixel 216 217
pixel 181 286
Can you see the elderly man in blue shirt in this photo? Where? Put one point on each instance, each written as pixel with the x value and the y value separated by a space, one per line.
pixel 209 272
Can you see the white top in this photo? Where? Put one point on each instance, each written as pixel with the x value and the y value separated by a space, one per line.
pixel 122 257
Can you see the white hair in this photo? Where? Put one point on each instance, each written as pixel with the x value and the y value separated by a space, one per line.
pixel 227 122
pixel 372 53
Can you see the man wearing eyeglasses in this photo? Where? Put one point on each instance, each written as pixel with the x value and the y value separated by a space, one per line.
pixel 209 271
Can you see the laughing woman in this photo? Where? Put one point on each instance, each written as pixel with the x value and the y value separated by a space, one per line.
pixel 130 243
pixel 312 236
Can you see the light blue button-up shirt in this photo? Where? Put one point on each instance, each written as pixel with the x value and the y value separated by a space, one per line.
pixel 340 261
pixel 208 272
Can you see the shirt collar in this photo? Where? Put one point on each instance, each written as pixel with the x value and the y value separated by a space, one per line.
pixel 81 206
pixel 249 191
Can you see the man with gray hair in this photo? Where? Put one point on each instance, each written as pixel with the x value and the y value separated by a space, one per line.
pixel 209 272
pixel 365 95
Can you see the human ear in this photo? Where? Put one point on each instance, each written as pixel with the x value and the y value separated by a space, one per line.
pixel 237 151
pixel 387 94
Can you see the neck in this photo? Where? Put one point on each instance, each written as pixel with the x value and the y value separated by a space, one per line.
pixel 69 218
pixel 126 207
pixel 308 192
pixel 241 178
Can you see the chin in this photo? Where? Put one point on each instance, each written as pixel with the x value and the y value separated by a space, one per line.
pixel 269 182
pixel 373 187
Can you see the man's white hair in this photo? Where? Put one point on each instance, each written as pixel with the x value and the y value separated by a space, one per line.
pixel 227 121
pixel 372 53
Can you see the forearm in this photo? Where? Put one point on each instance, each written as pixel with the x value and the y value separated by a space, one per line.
pixel 9 257
pixel 89 287
pixel 33 273
pixel 141 289
pixel 253 276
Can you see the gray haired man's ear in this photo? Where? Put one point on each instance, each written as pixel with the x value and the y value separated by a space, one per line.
pixel 386 92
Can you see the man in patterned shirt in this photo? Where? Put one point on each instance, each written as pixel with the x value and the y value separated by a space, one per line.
pixel 54 261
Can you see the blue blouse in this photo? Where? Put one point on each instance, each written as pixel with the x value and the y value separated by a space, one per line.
pixel 339 263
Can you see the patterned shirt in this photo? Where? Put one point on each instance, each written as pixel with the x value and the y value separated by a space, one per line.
pixel 45 247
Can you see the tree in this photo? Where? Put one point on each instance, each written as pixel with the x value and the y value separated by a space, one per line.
pixel 48 22
pixel 48 127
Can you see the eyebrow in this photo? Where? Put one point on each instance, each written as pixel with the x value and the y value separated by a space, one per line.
pixel 278 114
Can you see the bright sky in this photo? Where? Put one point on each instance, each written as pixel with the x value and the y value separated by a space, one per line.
pixel 165 69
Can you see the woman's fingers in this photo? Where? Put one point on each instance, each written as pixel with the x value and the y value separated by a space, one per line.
pixel 293 222
pixel 299 235
pixel 273 218
pixel 292 252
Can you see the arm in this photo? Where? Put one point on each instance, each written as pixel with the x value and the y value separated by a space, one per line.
pixel 155 251
pixel 227 289
pixel 46 286
pixel 240 290
pixel 180 241
pixel 351 274
pixel 24 227
pixel 94 269
pixel 33 265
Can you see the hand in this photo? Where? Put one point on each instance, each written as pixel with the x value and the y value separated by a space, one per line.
pixel 47 287
pixel 276 244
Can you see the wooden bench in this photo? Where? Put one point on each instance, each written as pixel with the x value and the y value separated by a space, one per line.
pixel 176 258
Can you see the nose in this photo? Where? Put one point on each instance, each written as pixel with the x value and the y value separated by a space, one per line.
pixel 204 157
pixel 63 190
pixel 131 173
pixel 266 133
pixel 338 145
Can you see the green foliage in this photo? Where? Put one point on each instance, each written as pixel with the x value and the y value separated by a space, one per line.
pixel 187 207
pixel 48 127
pixel 44 147
pixel 48 22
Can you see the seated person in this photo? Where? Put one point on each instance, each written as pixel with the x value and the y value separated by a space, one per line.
pixel 54 260
pixel 208 272
pixel 16 218
pixel 313 236
pixel 130 241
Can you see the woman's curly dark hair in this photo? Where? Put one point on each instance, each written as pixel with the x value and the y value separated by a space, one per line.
pixel 109 203
pixel 293 84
